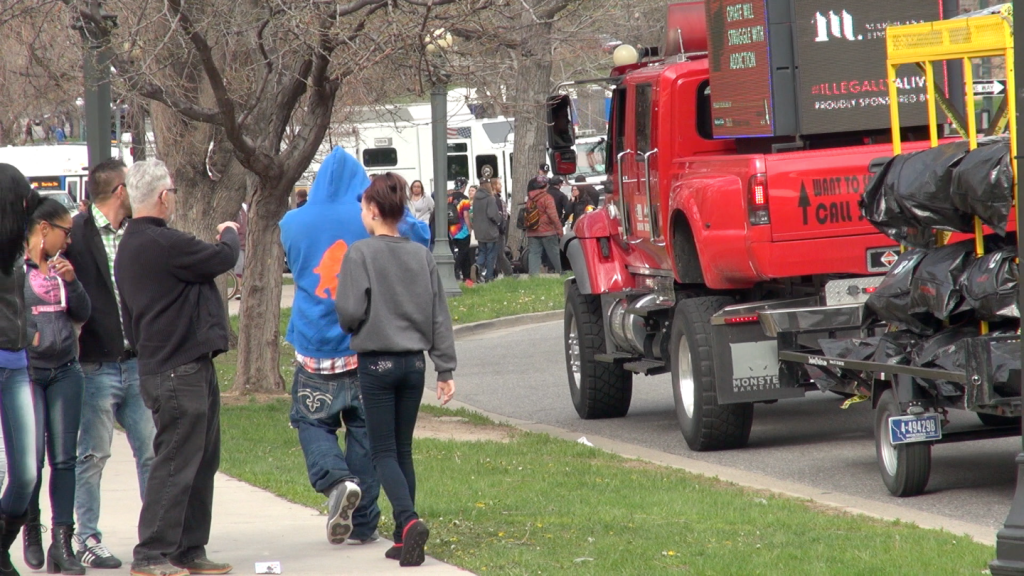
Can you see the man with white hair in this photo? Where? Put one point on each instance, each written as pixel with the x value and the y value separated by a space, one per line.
pixel 174 318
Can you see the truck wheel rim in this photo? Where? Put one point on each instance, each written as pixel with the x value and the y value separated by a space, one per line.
pixel 684 378
pixel 574 351
pixel 890 459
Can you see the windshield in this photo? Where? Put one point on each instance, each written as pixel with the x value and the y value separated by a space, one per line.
pixel 590 158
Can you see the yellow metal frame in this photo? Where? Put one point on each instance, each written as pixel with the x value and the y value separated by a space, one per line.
pixel 958 39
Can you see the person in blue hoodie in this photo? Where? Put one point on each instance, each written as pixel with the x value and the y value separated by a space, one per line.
pixel 325 391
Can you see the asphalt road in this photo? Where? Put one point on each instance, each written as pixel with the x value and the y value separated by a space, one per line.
pixel 520 373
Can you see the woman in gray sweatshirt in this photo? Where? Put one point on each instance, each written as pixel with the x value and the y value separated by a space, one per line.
pixel 392 320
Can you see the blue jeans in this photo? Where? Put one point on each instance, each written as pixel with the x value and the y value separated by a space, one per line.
pixel 22 419
pixel 111 394
pixel 58 394
pixel 486 257
pixel 320 404
pixel 392 385
pixel 547 244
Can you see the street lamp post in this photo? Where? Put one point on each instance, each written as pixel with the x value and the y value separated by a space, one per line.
pixel 435 44
pixel 1010 540
pixel 97 81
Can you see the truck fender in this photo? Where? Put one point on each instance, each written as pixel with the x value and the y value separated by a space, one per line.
pixel 683 250
pixel 573 252
pixel 706 230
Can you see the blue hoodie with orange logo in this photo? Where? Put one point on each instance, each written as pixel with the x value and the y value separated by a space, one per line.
pixel 316 238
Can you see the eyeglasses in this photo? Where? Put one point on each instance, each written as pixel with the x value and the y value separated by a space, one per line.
pixel 114 189
pixel 65 229
pixel 171 190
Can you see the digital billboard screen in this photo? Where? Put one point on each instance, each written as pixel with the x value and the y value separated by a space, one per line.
pixel 740 72
pixel 840 54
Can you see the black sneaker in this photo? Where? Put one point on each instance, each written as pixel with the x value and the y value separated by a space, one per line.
pixel 414 538
pixel 95 555
pixel 341 502
pixel 394 553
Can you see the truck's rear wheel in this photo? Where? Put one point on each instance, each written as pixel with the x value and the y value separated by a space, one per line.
pixel 598 389
pixel 705 424
pixel 905 467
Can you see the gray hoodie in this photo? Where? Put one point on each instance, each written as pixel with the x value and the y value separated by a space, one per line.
pixel 486 216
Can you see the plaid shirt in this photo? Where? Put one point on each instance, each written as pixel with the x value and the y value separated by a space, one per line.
pixel 327 365
pixel 111 238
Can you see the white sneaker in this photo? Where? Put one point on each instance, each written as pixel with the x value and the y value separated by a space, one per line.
pixel 373 538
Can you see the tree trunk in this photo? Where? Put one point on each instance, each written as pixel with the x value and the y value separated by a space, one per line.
pixel 259 317
pixel 532 85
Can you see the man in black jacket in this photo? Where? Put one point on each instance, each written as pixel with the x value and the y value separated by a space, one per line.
pixel 109 364
pixel 174 317
pixel 561 201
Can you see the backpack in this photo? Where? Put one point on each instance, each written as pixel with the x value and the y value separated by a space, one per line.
pixel 453 213
pixel 531 215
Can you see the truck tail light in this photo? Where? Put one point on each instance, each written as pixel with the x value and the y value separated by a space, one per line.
pixel 757 201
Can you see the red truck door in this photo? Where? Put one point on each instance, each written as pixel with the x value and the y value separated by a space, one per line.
pixel 638 161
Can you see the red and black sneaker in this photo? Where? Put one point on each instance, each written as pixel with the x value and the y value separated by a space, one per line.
pixel 414 538
pixel 394 553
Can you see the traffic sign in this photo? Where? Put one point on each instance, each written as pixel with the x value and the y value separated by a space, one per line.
pixel 989 87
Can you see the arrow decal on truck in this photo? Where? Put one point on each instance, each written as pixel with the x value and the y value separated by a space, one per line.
pixel 805 201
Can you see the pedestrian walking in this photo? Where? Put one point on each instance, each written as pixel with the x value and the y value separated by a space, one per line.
pixel 486 220
pixel 54 300
pixel 421 204
pixel 109 363
pixel 459 230
pixel 503 264
pixel 543 226
pixel 325 390
pixel 175 318
pixel 380 287
pixel 19 422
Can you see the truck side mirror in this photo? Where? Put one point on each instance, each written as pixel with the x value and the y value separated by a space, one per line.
pixel 561 132
pixel 563 162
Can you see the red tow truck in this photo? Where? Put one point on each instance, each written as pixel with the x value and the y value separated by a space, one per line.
pixel 736 171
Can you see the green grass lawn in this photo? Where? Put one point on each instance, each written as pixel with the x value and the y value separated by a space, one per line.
pixel 541 505
pixel 507 297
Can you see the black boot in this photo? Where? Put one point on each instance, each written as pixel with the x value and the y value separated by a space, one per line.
pixel 9 529
pixel 60 558
pixel 33 539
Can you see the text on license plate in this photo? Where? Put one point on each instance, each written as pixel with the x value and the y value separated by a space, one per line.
pixel 903 429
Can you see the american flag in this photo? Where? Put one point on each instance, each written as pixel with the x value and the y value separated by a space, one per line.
pixel 464 132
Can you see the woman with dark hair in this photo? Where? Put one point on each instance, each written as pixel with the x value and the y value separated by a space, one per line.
pixel 422 205
pixel 379 288
pixel 54 301
pixel 17 416
pixel 584 199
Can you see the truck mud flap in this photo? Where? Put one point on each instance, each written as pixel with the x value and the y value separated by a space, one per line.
pixel 746 359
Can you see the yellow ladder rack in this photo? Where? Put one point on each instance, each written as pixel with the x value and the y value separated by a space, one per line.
pixel 928 43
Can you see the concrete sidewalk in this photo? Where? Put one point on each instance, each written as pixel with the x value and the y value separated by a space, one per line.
pixel 287 296
pixel 249 525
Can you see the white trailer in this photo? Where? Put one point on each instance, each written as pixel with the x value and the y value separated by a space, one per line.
pixel 56 167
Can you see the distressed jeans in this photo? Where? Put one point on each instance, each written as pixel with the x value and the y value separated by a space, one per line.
pixel 111 395
pixel 392 385
pixel 58 395
pixel 22 421
pixel 321 404
pixel 178 507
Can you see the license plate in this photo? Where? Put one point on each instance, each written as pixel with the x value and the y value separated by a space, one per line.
pixel 881 259
pixel 904 429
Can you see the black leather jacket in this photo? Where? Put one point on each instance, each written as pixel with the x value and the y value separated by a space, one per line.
pixel 13 323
